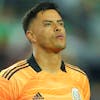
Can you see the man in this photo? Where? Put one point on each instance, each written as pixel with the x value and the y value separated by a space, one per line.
pixel 45 76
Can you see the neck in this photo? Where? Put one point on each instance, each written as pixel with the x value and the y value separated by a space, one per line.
pixel 48 61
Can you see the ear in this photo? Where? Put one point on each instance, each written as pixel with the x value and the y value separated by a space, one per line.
pixel 31 36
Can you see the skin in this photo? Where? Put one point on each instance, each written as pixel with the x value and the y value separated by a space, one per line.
pixel 48 37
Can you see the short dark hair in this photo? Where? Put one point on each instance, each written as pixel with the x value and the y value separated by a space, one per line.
pixel 33 12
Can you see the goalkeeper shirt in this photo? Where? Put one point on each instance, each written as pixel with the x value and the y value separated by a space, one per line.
pixel 29 82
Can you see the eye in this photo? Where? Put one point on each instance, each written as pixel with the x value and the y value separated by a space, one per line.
pixel 47 24
pixel 61 23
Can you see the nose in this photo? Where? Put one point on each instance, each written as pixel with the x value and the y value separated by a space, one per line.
pixel 57 28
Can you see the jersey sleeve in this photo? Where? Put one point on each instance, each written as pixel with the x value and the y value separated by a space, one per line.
pixel 8 90
pixel 5 89
pixel 86 89
pixel 16 79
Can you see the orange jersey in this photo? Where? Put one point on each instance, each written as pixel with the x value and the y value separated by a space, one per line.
pixel 5 89
pixel 29 82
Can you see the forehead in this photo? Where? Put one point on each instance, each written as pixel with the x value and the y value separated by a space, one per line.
pixel 50 14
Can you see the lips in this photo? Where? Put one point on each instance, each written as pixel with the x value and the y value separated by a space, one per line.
pixel 60 36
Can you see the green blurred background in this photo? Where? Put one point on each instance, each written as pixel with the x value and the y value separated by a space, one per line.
pixel 82 22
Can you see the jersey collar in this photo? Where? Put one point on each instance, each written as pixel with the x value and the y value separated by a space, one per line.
pixel 32 62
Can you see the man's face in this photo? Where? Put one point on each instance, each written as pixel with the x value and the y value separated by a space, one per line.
pixel 49 30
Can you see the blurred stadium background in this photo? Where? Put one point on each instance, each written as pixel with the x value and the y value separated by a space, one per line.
pixel 82 22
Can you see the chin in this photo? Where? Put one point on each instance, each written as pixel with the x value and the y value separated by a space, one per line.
pixel 57 50
pixel 62 47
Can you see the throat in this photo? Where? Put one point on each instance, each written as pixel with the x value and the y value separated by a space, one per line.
pixel 49 64
pixel 51 67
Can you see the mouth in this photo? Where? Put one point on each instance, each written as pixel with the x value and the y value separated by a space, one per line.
pixel 60 36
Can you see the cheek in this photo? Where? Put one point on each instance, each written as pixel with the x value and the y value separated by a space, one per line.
pixel 45 35
pixel 44 32
pixel 42 36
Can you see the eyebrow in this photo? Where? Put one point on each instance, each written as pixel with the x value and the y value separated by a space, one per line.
pixel 52 21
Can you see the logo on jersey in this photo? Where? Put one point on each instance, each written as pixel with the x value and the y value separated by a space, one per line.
pixel 75 94
pixel 38 96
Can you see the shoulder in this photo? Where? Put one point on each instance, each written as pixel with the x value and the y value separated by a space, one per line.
pixel 8 72
pixel 74 69
pixel 76 73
